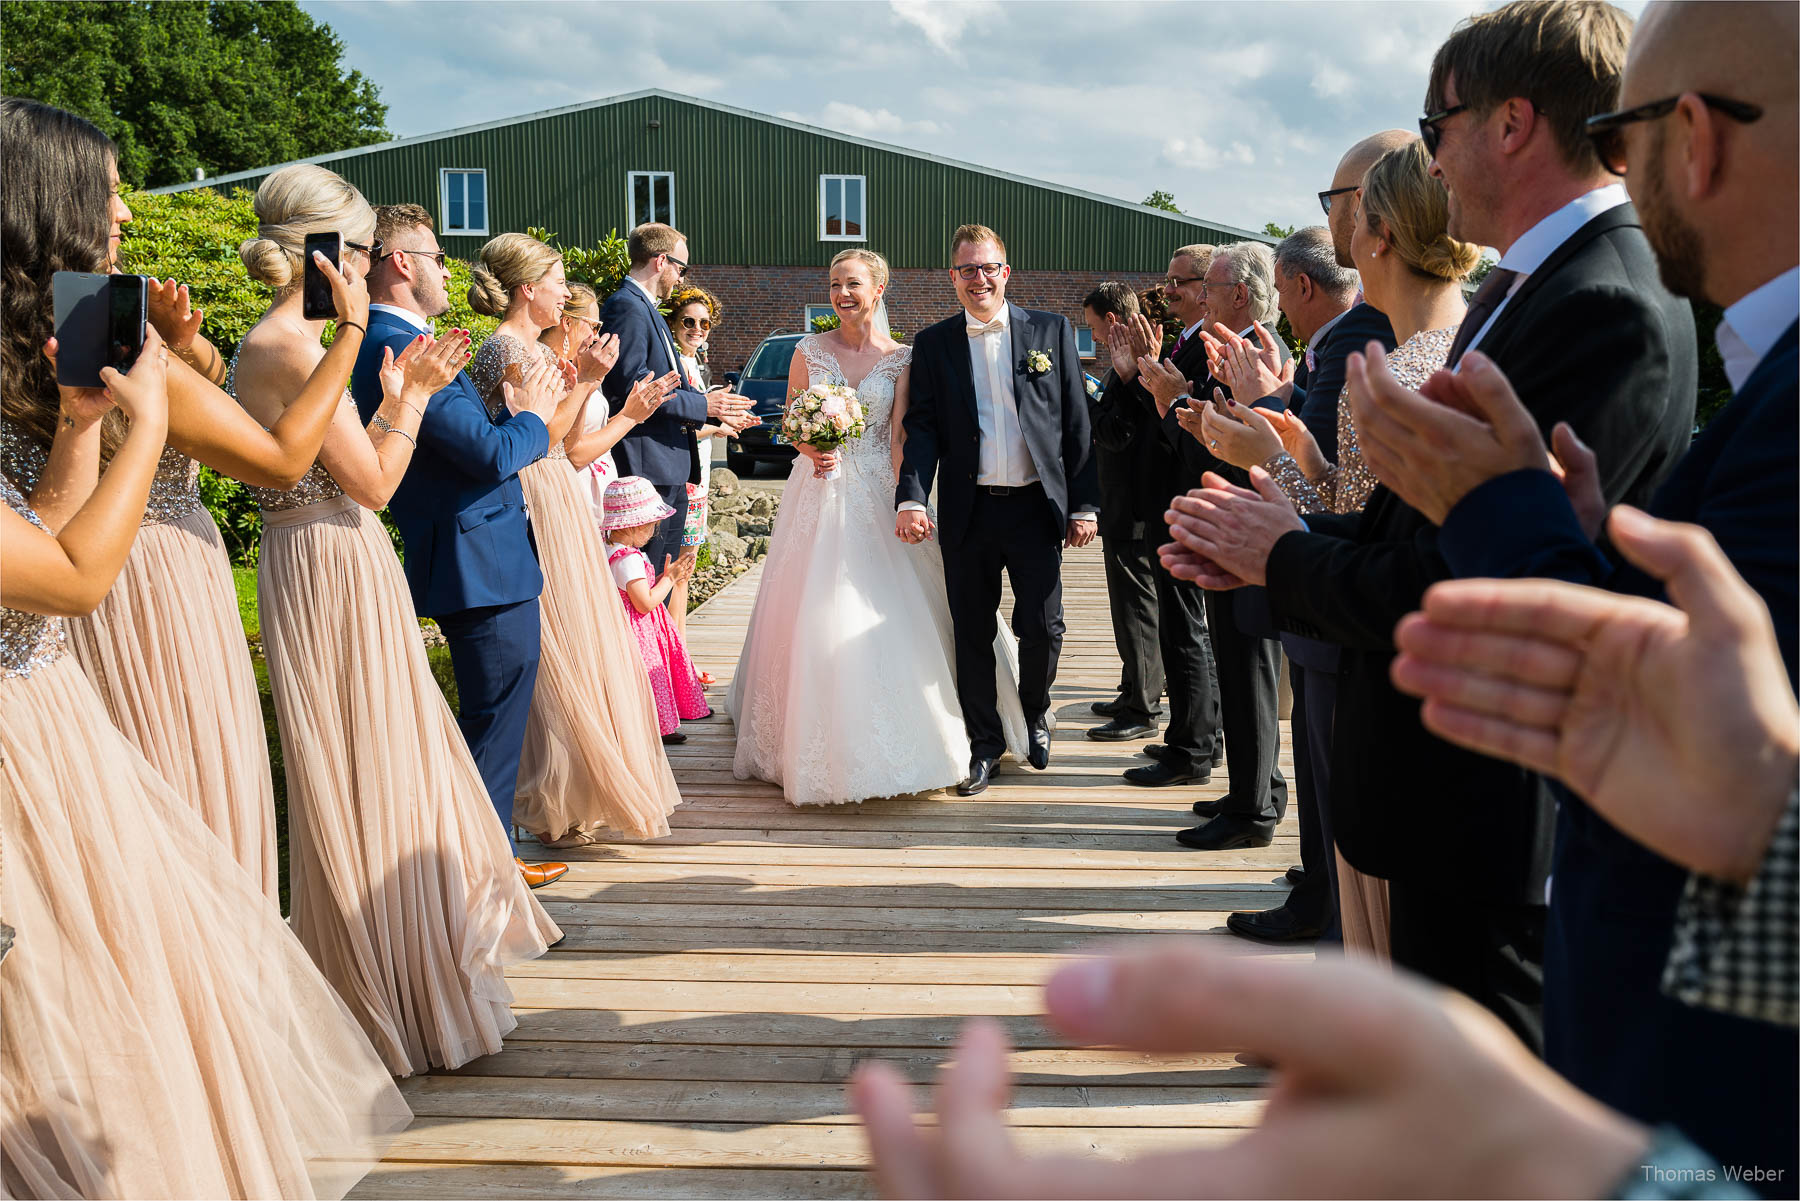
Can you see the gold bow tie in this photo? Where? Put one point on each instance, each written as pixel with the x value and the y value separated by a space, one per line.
pixel 976 330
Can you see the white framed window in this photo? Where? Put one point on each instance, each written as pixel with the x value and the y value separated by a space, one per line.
pixel 650 196
pixel 463 199
pixel 1084 341
pixel 816 310
pixel 843 208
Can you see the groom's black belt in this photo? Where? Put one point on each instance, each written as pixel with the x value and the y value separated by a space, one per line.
pixel 1006 489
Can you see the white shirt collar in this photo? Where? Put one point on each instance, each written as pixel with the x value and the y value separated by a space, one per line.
pixel 407 315
pixel 646 291
pixel 1539 242
pixel 1754 322
pixel 1004 317
pixel 1319 334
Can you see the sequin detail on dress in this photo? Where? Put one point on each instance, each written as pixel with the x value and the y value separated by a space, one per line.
pixel 487 370
pixel 174 493
pixel 28 641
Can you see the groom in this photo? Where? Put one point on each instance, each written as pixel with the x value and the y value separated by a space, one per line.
pixel 997 399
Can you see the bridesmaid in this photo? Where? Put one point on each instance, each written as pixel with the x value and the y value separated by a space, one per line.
pixel 162 1033
pixel 165 649
pixel 593 757
pixel 404 888
pixel 579 323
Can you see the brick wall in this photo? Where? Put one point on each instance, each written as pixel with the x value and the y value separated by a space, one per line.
pixel 758 301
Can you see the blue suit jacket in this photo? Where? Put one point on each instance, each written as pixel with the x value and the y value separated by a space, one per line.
pixel 662 449
pixel 1607 1025
pixel 460 508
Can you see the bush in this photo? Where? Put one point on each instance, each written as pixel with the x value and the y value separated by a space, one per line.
pixel 601 266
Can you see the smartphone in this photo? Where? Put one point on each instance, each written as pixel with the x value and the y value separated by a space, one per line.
pixel 316 303
pixel 99 323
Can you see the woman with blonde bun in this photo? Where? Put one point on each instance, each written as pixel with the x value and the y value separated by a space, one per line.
pixel 1412 270
pixel 404 888
pixel 593 758
pixel 165 649
pixel 579 324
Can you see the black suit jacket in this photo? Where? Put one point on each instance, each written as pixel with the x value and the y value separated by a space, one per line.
pixel 1592 338
pixel 943 430
pixel 1315 399
pixel 1125 444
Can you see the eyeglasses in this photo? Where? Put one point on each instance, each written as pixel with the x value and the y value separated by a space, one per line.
pixel 1603 130
pixel 696 323
pixel 1221 283
pixel 372 249
pixel 1176 281
pixel 436 256
pixel 1428 126
pixel 1325 198
pixel 970 270
pixel 679 265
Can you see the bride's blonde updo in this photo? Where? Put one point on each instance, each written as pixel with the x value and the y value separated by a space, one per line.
pixel 878 268
pixel 508 262
pixel 292 203
pixel 1399 193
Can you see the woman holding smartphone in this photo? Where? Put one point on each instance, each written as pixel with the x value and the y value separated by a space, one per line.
pixel 162 1033
pixel 692 313
pixel 166 648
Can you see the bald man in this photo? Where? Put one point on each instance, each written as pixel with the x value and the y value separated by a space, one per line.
pixel 1707 122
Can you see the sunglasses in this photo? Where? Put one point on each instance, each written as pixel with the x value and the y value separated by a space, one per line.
pixel 679 265
pixel 372 249
pixel 1603 130
pixel 971 270
pixel 696 323
pixel 1429 123
pixel 1325 198
pixel 436 256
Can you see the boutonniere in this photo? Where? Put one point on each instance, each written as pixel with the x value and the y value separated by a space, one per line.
pixel 1037 362
pixel 1093 386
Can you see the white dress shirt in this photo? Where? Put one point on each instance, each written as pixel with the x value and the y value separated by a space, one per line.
pixel 411 318
pixel 1319 336
pixel 1005 460
pixel 1754 322
pixel 668 339
pixel 1535 246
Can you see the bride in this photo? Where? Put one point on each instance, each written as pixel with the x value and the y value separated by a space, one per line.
pixel 846 687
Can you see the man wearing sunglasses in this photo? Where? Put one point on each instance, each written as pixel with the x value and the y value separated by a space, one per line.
pixel 1705 132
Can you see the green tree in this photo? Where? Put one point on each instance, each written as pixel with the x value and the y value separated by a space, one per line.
pixel 1278 231
pixel 221 86
pixel 1160 199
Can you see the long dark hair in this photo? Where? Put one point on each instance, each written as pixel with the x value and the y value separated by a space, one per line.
pixel 55 215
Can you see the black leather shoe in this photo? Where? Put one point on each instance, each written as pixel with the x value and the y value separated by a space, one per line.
pixel 675 739
pixel 1218 759
pixel 1280 924
pixel 1296 874
pixel 979 771
pixel 1161 775
pixel 1206 808
pixel 1110 708
pixel 1227 832
pixel 1156 750
pixel 1121 729
pixel 1037 749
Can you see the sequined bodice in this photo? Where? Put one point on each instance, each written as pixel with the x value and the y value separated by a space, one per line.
pixel 487 371
pixel 875 390
pixel 316 485
pixel 28 641
pixel 174 493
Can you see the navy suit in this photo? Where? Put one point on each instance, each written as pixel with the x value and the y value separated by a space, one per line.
pixel 662 449
pixel 470 560
pixel 1729 1083
pixel 1315 399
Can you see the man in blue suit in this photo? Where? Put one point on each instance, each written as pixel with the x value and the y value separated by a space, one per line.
pixel 661 449
pixel 470 560
pixel 1707 121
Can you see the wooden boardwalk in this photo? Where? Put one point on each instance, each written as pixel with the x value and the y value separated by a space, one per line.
pixel 691 1036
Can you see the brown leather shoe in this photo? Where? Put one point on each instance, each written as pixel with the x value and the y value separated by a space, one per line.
pixel 539 874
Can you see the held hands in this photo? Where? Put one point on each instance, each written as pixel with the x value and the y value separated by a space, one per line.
pixel 171 311
pixel 912 526
pixel 538 391
pixel 1163 381
pixel 596 357
pixel 349 291
pixel 647 395
pixel 82 407
pixel 1675 722
pixel 1080 533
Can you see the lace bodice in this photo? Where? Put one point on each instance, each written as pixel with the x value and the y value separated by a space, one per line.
pixel 487 371
pixel 174 493
pixel 876 390
pixel 27 640
pixel 316 485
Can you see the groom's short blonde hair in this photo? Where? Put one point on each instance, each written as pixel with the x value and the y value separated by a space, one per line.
pixel 974 235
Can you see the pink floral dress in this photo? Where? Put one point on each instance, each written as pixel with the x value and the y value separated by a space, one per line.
pixel 673 680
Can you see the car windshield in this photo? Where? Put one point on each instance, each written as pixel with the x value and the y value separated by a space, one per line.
pixel 771 359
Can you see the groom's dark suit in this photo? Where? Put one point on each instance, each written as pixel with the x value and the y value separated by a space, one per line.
pixel 984 529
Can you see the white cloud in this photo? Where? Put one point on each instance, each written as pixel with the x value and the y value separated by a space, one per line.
pixel 867 123
pixel 943 22
pixel 1332 81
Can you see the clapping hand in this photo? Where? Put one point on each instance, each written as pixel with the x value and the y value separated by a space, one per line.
pixel 425 366
pixel 1164 381
pixel 1252 372
pixel 726 403
pixel 597 356
pixel 538 391
pixel 679 570
pixel 647 395
pixel 1124 353
pixel 1232 528
pixel 171 311
pixel 1239 434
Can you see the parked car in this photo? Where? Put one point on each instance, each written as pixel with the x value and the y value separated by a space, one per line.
pixel 764 381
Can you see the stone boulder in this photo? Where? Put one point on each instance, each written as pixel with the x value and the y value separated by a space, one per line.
pixel 722 482
pixel 728 548
pixel 723 524
pixel 763 505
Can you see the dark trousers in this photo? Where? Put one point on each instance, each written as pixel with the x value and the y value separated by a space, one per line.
pixel 494 652
pixel 666 542
pixel 1250 701
pixel 1131 570
pixel 1315 699
pixel 1491 953
pixel 1193 729
pixel 1015 533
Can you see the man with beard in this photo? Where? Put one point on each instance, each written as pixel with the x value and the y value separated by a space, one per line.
pixel 1706 120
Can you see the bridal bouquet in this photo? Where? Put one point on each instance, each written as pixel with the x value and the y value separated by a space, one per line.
pixel 824 417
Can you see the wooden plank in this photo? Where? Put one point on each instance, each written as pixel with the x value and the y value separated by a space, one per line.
pixel 797 968
pixel 526 1182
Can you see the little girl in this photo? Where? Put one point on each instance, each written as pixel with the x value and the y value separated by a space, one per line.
pixel 633 511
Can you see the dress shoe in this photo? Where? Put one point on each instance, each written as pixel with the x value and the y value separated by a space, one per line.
pixel 1280 924
pixel 1227 832
pixel 1156 750
pixel 1206 808
pixel 1116 706
pixel 1161 775
pixel 675 739
pixel 979 772
pixel 539 874
pixel 1121 729
pixel 1296 874
pixel 1037 743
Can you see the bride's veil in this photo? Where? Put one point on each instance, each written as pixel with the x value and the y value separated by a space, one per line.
pixel 879 321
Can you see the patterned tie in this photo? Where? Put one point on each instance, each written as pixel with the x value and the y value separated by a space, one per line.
pixel 1179 343
pixel 976 329
pixel 1494 289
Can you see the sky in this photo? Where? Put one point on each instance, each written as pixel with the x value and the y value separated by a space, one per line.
pixel 1241 110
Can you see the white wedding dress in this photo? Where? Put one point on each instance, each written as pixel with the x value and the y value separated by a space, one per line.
pixel 846 687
